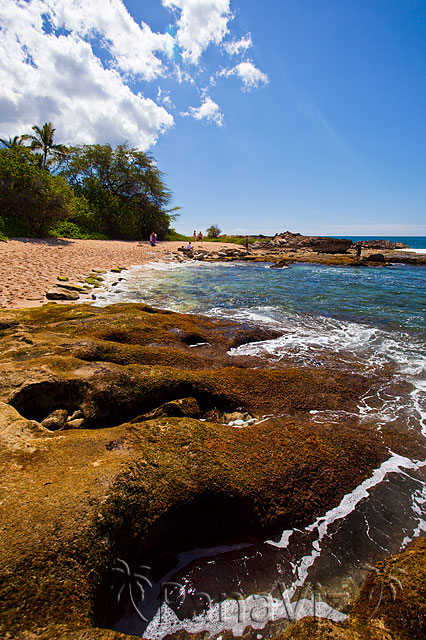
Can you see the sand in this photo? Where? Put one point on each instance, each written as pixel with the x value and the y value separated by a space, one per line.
pixel 29 267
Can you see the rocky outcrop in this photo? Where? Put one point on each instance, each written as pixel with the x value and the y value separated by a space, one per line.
pixel 288 240
pixel 383 244
pixel 76 499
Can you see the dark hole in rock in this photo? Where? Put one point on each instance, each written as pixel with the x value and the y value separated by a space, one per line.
pixel 254 335
pixel 37 401
pixel 193 338
pixel 116 336
pixel 110 407
pixel 220 520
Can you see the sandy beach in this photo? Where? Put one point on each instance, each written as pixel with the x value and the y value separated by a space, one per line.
pixel 29 267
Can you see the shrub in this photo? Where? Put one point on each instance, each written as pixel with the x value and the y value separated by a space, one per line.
pixel 172 234
pixel 214 231
pixel 70 229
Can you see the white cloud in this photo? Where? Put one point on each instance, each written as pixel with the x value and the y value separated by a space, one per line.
pixel 238 46
pixel 249 74
pixel 58 77
pixel 134 48
pixel 208 110
pixel 81 64
pixel 200 23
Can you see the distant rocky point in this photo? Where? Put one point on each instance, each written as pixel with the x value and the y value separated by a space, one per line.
pixel 322 244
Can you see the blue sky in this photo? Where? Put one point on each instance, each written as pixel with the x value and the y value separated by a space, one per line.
pixel 264 116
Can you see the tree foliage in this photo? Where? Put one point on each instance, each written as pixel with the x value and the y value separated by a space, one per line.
pixel 214 231
pixel 116 193
pixel 30 193
pixel 43 141
pixel 124 188
pixel 16 141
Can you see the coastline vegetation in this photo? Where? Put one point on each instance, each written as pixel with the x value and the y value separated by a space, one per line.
pixel 86 191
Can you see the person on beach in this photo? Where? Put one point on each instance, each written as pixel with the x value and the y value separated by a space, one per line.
pixel 200 237
pixel 246 243
pixel 194 236
pixel 358 251
pixel 153 239
pixel 189 246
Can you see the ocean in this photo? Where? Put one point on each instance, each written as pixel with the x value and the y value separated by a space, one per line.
pixel 373 319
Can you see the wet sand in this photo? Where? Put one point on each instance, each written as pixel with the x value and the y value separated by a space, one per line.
pixel 29 267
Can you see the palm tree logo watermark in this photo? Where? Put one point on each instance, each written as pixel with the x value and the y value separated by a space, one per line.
pixel 134 583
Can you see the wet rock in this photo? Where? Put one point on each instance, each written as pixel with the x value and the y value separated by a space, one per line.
pixel 61 294
pixel 78 499
pixel 56 420
pixel 281 264
pixel 375 257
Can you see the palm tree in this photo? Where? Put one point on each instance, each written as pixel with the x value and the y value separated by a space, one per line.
pixel 43 141
pixel 16 141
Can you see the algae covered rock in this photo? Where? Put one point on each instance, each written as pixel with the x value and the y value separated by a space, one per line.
pixel 395 593
pixel 76 499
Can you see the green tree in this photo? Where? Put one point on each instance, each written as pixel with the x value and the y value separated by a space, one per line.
pixel 214 231
pixel 124 188
pixel 28 193
pixel 43 141
pixel 16 141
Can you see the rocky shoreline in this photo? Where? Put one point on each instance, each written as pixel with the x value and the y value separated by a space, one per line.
pixel 127 432
pixel 287 248
pixel 34 271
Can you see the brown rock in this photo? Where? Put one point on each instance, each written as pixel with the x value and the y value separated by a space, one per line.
pixel 61 294
pixel 56 420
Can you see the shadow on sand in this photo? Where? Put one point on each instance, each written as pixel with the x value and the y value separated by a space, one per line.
pixel 50 242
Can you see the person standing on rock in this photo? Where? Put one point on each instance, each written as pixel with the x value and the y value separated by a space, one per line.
pixel 246 243
pixel 194 236
pixel 358 251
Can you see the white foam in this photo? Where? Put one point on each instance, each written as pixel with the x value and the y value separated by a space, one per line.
pixel 420 251
pixel 255 610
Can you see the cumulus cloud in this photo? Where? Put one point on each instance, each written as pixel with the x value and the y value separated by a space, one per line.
pixel 249 74
pixel 200 23
pixel 84 67
pixel 47 74
pixel 134 48
pixel 238 46
pixel 208 110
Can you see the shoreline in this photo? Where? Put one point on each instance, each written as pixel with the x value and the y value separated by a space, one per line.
pixel 29 267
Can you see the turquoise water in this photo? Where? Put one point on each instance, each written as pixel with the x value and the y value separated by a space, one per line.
pixel 373 318
pixel 393 297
